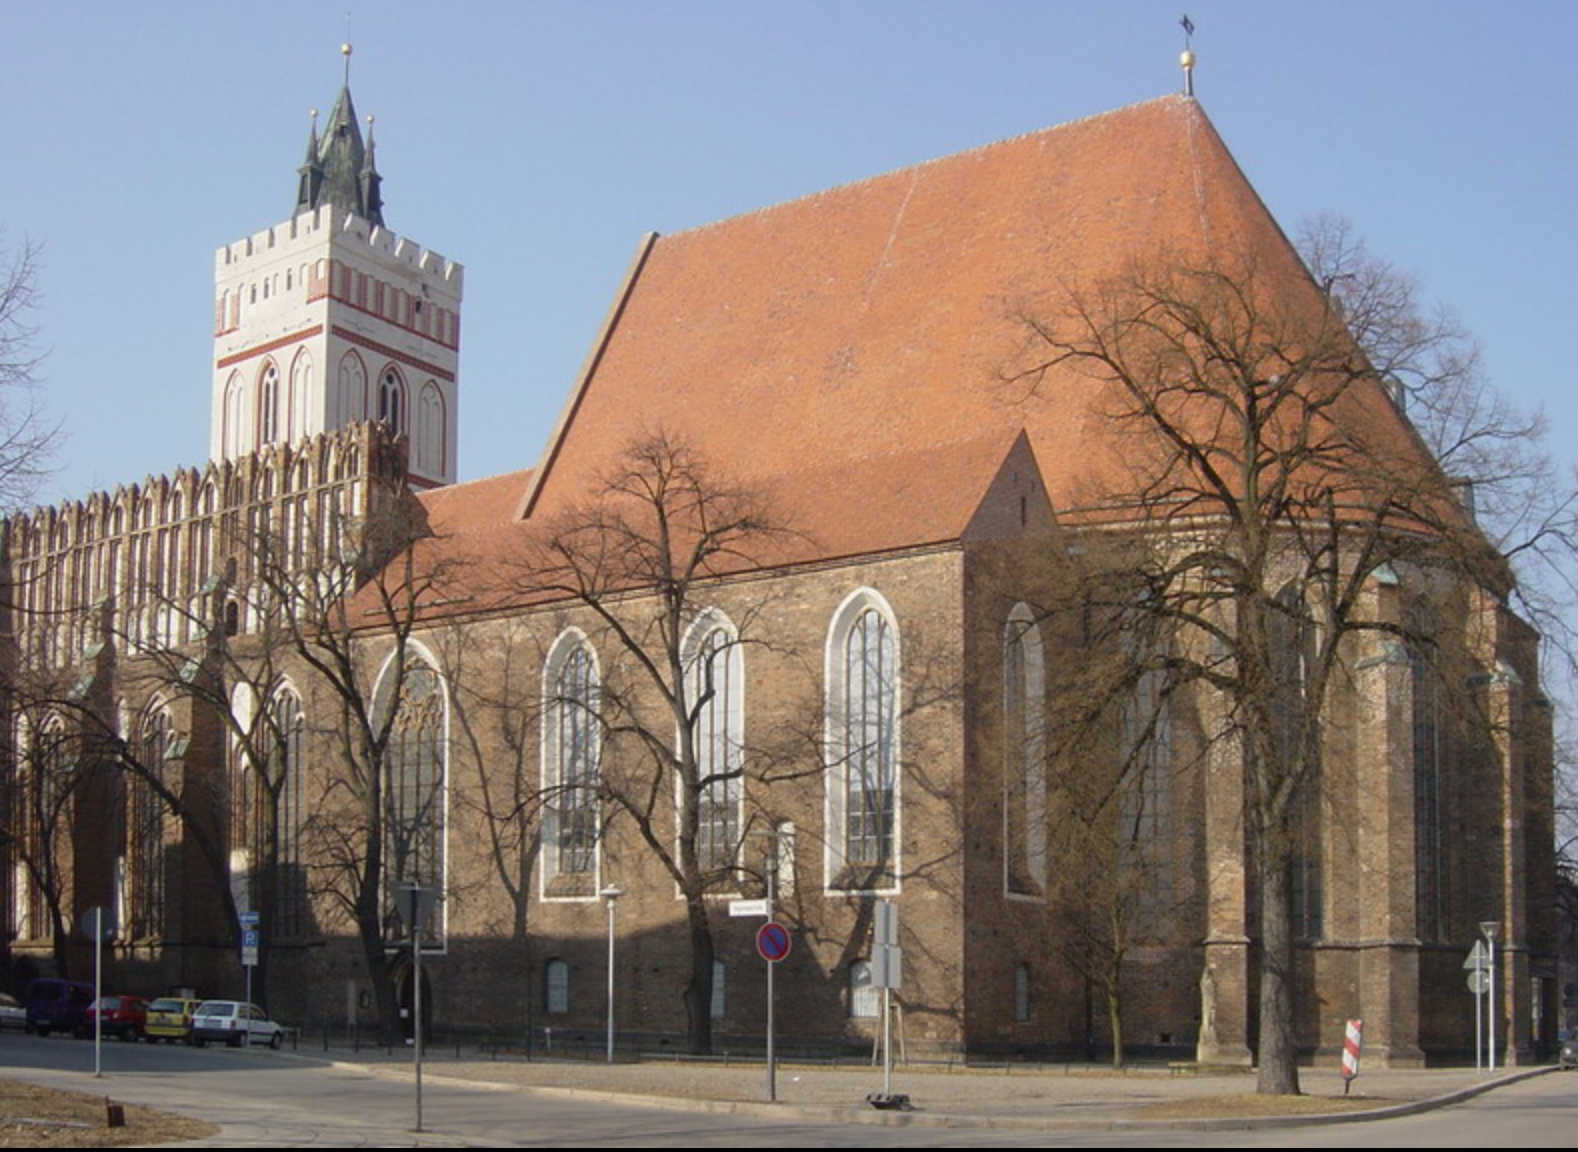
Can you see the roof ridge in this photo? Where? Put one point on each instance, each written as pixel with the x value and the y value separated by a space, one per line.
pixel 1171 97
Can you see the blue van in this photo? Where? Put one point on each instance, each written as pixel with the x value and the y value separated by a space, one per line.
pixel 56 1005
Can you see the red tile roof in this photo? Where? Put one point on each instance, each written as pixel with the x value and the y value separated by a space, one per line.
pixel 844 352
pixel 872 322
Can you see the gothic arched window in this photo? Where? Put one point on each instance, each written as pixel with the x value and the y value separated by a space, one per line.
pixel 414 800
pixel 287 772
pixel 144 888
pixel 1292 642
pixel 714 666
pixel 391 400
pixel 572 749
pixel 268 404
pixel 1429 755
pixel 1024 756
pixel 863 727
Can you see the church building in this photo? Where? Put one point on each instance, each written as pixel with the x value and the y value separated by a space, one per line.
pixel 797 601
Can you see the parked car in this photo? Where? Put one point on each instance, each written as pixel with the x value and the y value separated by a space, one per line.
pixel 170 1019
pixel 12 1014
pixel 232 1022
pixel 123 1016
pixel 56 1005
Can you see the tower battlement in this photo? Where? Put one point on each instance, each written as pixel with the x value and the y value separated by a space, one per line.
pixel 311 229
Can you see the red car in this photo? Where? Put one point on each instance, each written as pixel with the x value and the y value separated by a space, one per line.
pixel 124 1016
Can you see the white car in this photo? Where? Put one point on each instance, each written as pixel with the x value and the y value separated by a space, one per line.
pixel 234 1023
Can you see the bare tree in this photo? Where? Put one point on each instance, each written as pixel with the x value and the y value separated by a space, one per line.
pixel 348 625
pixel 638 559
pixel 28 440
pixel 1110 748
pixel 1272 481
pixel 43 782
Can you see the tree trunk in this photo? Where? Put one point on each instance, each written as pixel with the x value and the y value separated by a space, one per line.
pixel 1115 1020
pixel 1277 1072
pixel 698 989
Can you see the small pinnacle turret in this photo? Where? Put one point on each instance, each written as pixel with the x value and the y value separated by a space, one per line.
pixel 339 169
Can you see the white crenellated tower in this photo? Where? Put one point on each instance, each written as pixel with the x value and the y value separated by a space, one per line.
pixel 330 318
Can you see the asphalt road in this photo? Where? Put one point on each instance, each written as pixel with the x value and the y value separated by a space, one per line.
pixel 276 1099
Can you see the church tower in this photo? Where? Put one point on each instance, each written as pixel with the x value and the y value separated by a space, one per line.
pixel 330 318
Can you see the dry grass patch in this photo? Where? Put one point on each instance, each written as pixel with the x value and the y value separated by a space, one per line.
pixel 1250 1105
pixel 34 1117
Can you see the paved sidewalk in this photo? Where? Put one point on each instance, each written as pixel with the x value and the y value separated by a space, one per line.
pixel 1050 1097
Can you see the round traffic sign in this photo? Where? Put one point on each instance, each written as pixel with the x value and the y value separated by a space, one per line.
pixel 772 941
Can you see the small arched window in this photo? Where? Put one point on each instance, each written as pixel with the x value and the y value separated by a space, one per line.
pixel 556 987
pixel 391 400
pixel 268 404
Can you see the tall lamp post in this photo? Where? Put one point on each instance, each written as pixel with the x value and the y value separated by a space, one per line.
pixel 1490 928
pixel 612 895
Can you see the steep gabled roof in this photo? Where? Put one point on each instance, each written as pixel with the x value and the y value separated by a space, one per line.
pixel 863 330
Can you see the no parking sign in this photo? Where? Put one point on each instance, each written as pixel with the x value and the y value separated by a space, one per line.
pixel 772 941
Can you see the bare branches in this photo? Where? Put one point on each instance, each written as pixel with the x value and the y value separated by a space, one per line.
pixel 636 561
pixel 1272 485
pixel 28 440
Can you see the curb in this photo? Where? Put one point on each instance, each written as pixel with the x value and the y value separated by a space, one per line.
pixel 921 1118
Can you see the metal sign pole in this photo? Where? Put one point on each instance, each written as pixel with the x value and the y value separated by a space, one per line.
pixel 98 991
pixel 772 999
pixel 416 998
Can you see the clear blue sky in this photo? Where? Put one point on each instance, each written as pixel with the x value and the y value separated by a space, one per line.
pixel 536 141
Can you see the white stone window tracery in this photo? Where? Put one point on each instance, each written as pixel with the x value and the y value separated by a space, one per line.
pixel 863 787
pixel 714 664
pixel 571 756
pixel 1024 756
pixel 415 801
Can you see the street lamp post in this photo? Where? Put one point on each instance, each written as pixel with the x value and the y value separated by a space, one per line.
pixel 612 895
pixel 1490 928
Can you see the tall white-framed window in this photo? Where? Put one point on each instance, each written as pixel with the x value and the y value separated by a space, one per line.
pixel 415 800
pixel 571 756
pixel 1024 756
pixel 1429 756
pixel 287 776
pixel 715 682
pixel 1146 744
pixel 862 740
pixel 145 886
pixel 1293 639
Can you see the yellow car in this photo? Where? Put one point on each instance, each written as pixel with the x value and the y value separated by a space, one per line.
pixel 170 1019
